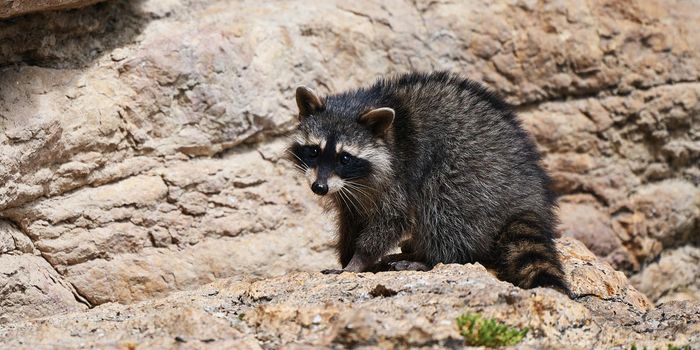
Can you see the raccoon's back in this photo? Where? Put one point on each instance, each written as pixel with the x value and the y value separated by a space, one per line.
pixel 456 130
pixel 446 110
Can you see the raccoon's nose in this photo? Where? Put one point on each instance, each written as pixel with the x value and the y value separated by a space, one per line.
pixel 319 189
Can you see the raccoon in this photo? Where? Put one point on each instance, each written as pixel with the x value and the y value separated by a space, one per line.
pixel 437 164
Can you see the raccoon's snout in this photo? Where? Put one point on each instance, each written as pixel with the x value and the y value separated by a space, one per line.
pixel 319 188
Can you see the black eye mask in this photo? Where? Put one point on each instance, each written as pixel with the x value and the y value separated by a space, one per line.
pixel 351 167
pixel 306 155
pixel 310 154
pixel 345 165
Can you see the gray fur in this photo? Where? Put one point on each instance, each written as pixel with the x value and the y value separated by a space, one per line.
pixel 460 168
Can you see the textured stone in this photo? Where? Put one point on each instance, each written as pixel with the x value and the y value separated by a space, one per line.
pixel 585 222
pixel 669 212
pixel 12 8
pixel 311 310
pixel 142 236
pixel 648 199
pixel 30 287
pixel 7 242
pixel 674 277
pixel 12 240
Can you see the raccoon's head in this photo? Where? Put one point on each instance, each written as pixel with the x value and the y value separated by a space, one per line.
pixel 340 145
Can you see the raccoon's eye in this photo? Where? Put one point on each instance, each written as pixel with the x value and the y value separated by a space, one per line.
pixel 345 159
pixel 311 151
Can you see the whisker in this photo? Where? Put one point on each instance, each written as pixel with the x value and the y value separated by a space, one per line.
pixel 348 195
pixel 301 168
pixel 295 156
pixel 370 201
pixel 352 195
pixel 342 197
pixel 355 194
pixel 358 184
pixel 360 190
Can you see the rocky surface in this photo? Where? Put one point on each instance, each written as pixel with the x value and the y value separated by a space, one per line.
pixel 140 141
pixel 11 8
pixel 385 310
pixel 673 277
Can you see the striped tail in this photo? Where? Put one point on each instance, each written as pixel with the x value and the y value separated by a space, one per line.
pixel 528 257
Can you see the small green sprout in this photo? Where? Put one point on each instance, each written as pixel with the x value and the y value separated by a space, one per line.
pixel 670 347
pixel 478 331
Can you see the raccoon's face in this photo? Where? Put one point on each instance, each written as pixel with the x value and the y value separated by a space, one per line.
pixel 340 152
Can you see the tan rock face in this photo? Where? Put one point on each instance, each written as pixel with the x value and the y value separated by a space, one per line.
pixel 584 220
pixel 415 309
pixel 184 225
pixel 141 142
pixel 11 8
pixel 30 287
pixel 673 277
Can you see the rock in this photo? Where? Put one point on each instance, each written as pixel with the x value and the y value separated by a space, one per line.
pixel 674 277
pixel 312 310
pixel 660 214
pixel 142 142
pixel 32 288
pixel 13 240
pixel 590 277
pixel 7 242
pixel 178 227
pixel 156 272
pixel 670 209
pixel 11 8
pixel 589 225
pixel 29 286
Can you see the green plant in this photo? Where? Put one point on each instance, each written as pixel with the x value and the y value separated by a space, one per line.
pixel 682 347
pixel 670 347
pixel 478 331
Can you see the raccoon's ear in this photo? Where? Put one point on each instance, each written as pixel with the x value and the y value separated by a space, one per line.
pixel 308 102
pixel 378 120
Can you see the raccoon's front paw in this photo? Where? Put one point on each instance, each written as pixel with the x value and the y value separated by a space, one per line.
pixel 405 265
pixel 332 272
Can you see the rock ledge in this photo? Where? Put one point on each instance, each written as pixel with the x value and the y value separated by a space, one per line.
pixel 412 309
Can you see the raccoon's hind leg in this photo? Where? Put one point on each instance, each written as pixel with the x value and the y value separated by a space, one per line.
pixel 401 262
pixel 528 257
pixel 409 265
pixel 408 246
pixel 410 258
